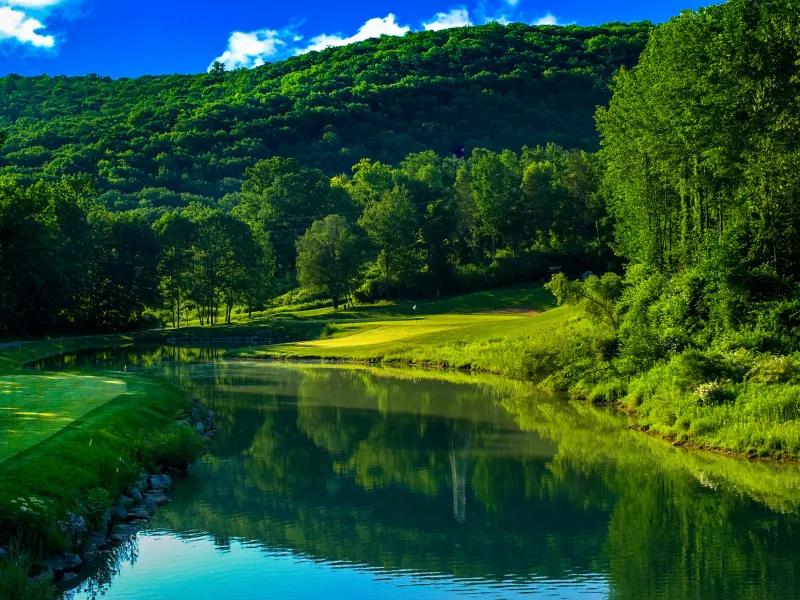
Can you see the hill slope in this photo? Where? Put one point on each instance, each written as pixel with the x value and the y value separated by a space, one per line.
pixel 492 86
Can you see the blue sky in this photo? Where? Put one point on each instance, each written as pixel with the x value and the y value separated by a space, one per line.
pixel 126 38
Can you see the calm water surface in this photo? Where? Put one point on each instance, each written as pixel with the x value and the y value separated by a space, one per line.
pixel 347 482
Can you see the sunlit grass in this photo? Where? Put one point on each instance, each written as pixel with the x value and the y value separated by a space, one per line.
pixel 487 331
pixel 34 407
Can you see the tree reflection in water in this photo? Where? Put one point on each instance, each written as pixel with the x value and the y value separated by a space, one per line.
pixel 470 478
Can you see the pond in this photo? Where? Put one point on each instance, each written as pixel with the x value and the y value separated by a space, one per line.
pixel 355 482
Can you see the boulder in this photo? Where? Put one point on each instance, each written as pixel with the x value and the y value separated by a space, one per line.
pixel 126 501
pixel 46 575
pixel 136 495
pixel 118 512
pixel 121 533
pixel 75 528
pixel 140 512
pixel 143 484
pixel 200 427
pixel 67 577
pixel 96 540
pixel 63 562
pixel 154 499
pixel 160 482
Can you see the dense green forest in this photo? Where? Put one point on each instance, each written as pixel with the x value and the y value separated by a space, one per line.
pixel 130 201
pixel 688 205
pixel 166 140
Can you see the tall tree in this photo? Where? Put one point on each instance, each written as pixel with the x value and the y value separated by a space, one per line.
pixel 391 224
pixel 328 257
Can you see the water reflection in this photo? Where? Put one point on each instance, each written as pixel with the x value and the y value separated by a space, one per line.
pixel 477 485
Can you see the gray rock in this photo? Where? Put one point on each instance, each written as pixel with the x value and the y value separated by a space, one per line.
pixel 160 482
pixel 96 540
pixel 126 501
pixel 155 499
pixel 200 427
pixel 75 528
pixel 46 575
pixel 140 512
pixel 209 435
pixel 118 512
pixel 144 483
pixel 63 562
pixel 123 532
pixel 68 577
pixel 136 495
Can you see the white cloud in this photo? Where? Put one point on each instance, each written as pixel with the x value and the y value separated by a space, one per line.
pixel 512 2
pixel 33 3
pixel 24 22
pixel 252 49
pixel 371 29
pixel 547 19
pixel 457 17
pixel 17 26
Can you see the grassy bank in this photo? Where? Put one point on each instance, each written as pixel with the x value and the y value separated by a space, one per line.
pixel 485 332
pixel 740 402
pixel 71 443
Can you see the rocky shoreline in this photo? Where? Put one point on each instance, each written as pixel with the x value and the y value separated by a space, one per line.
pixel 121 522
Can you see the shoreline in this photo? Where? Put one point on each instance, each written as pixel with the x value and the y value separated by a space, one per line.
pixel 62 492
pixel 617 405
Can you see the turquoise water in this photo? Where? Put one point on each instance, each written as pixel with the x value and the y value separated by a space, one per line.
pixel 350 482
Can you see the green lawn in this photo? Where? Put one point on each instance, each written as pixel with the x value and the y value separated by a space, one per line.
pixel 486 331
pixel 35 407
pixel 64 434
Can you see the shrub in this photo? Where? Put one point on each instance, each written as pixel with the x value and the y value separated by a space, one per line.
pixel 175 447
pixel 713 393
pixel 776 369
pixel 328 331
pixel 34 522
pixel 14 573
pixel 96 503
pixel 694 368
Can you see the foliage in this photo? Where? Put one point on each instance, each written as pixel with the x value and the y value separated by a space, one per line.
pixel 328 257
pixel 15 571
pixel 174 447
pixel 450 91
pixel 597 297
pixel 96 502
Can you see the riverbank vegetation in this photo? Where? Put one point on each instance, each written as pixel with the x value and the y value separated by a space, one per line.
pixel 213 211
pixel 73 443
pixel 695 333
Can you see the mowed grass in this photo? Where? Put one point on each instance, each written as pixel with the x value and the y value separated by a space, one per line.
pixel 64 434
pixel 36 407
pixel 486 331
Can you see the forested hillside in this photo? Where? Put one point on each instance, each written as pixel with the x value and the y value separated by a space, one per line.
pixel 167 140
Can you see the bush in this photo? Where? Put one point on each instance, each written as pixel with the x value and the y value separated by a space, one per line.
pixel 96 503
pixel 14 582
pixel 713 393
pixel 175 447
pixel 328 331
pixel 776 369
pixel 118 474
pixel 33 521
pixel 694 368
